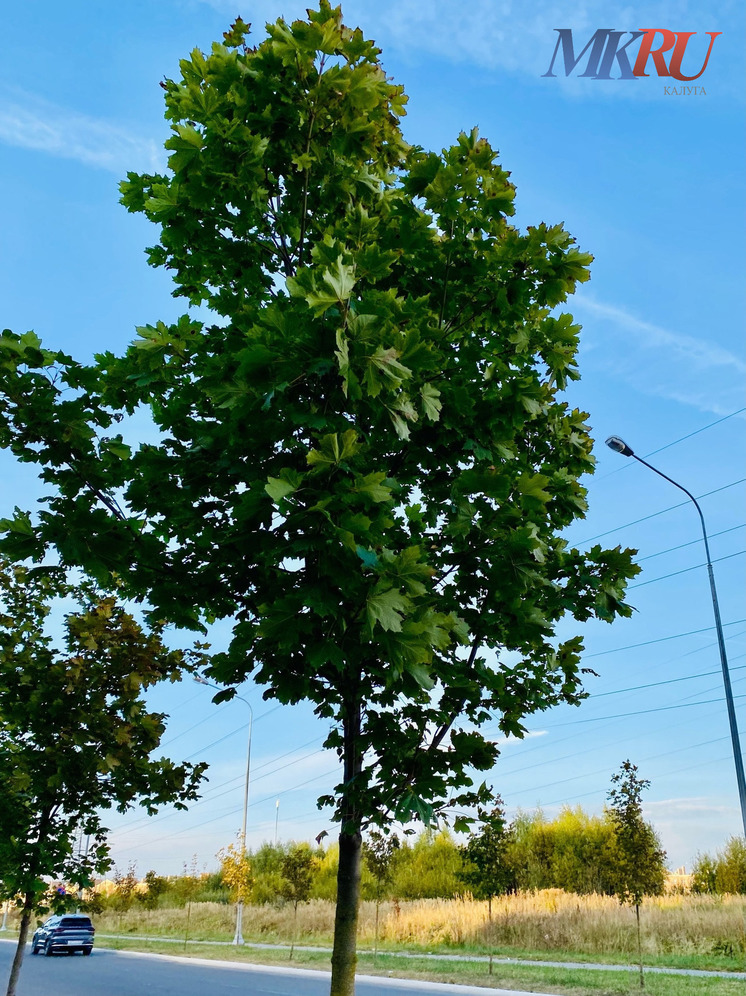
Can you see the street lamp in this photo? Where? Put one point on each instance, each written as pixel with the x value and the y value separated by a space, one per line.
pixel 238 936
pixel 619 446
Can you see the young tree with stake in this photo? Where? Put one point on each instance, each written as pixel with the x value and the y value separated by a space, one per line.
pixel 486 870
pixel 365 463
pixel 379 850
pixel 297 879
pixel 640 870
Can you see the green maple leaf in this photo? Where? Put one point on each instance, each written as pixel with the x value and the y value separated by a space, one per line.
pixel 277 489
pixel 372 486
pixel 387 608
pixel 431 401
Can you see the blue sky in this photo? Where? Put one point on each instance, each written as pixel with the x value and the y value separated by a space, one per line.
pixel 650 182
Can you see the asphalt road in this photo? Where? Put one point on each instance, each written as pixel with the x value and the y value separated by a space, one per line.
pixel 124 973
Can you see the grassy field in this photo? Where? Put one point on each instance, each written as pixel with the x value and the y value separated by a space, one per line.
pixel 701 932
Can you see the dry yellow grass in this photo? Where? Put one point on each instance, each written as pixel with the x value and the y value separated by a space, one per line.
pixel 553 920
pixel 546 921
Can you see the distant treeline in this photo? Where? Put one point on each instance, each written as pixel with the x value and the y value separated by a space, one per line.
pixel 725 872
pixel 574 852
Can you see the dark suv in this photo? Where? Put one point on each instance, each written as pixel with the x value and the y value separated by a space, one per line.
pixel 69 932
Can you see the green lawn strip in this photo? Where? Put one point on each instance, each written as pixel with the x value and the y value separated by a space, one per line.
pixel 568 982
pixel 693 960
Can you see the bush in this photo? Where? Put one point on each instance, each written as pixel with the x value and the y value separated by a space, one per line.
pixel 723 874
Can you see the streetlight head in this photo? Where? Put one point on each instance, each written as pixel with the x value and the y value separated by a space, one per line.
pixel 202 681
pixel 617 444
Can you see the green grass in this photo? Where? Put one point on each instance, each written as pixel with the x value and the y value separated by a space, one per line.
pixel 568 982
pixel 700 961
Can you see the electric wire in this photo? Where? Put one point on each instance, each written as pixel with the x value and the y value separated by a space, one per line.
pixel 662 639
pixel 228 786
pixel 642 760
pixel 675 442
pixel 644 712
pixel 694 542
pixel 685 570
pixel 223 814
pixel 662 511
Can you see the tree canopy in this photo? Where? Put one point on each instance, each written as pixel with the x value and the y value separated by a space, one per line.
pixel 76 737
pixel 365 462
pixel 640 870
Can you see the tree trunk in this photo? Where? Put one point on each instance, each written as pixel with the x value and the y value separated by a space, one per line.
pixel 344 953
pixel 639 946
pixel 375 942
pixel 28 909
pixel 295 930
pixel 491 932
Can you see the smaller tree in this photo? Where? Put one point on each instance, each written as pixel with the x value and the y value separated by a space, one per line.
pixel 235 872
pixel 724 873
pixel 76 738
pixel 379 850
pixel 704 874
pixel 430 868
pixel 486 869
pixel 266 866
pixel 187 887
pixel 297 878
pixel 155 886
pixel 125 892
pixel 640 869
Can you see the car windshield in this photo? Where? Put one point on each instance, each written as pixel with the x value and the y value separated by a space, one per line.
pixel 76 921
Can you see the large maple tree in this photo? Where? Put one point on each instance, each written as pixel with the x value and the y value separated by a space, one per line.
pixel 365 461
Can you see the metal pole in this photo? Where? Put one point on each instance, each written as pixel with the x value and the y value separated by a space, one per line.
pixel 238 935
pixel 619 446
pixel 277 818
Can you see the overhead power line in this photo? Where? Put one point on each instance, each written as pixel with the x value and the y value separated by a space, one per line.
pixel 685 570
pixel 601 771
pixel 670 681
pixel 662 511
pixel 224 814
pixel 696 432
pixel 675 442
pixel 661 639
pixel 644 712
pixel 694 542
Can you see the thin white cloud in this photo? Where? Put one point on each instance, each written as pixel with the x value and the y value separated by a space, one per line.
pixel 683 368
pixel 503 35
pixel 28 121
pixel 530 735
pixel 693 806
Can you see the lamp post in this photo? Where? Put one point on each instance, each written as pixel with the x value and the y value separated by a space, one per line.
pixel 619 446
pixel 238 936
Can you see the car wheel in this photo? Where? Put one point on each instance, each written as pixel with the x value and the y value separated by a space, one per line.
pixel 34 948
pixel 48 949
pixel 86 951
